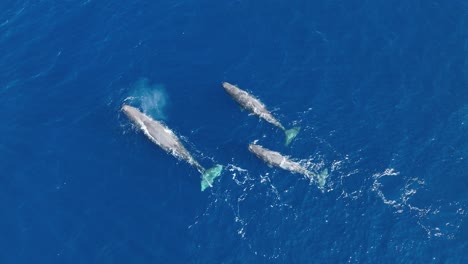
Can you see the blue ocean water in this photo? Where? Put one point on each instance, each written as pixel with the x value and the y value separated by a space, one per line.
pixel 380 89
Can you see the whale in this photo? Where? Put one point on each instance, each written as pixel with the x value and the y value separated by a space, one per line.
pixel 256 107
pixel 166 139
pixel 273 158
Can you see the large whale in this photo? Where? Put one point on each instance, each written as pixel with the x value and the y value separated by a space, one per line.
pixel 274 158
pixel 162 136
pixel 254 105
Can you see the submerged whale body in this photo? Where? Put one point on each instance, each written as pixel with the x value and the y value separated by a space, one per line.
pixel 162 136
pixel 254 105
pixel 274 158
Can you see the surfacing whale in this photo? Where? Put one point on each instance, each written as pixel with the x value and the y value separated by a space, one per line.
pixel 162 136
pixel 254 105
pixel 274 158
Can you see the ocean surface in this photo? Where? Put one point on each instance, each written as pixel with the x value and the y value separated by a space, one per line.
pixel 379 89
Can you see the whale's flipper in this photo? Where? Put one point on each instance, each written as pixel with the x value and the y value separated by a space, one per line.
pixel 291 134
pixel 322 177
pixel 209 175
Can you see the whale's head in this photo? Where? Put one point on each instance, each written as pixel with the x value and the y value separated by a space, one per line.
pixel 229 88
pixel 131 112
pixel 128 110
pixel 254 148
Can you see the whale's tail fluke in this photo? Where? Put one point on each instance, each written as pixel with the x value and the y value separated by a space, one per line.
pixel 209 175
pixel 291 134
pixel 322 178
